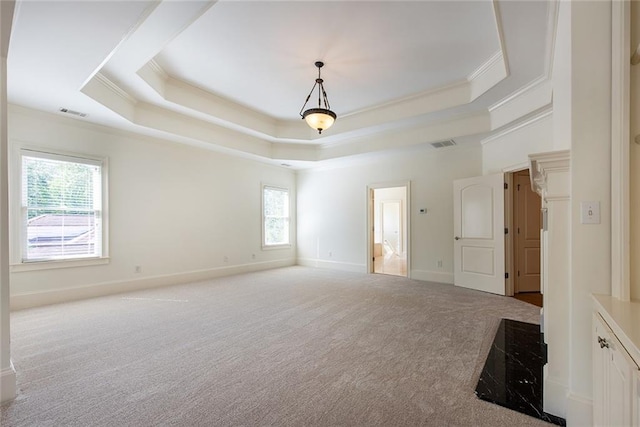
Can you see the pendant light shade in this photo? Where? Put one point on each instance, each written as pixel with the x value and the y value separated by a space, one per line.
pixel 320 118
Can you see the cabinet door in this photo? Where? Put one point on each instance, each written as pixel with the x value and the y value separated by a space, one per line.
pixel 615 376
pixel 620 373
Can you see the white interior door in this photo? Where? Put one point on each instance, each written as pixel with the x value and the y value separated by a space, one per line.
pixel 478 211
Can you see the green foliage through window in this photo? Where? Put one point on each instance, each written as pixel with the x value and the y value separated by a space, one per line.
pixel 62 207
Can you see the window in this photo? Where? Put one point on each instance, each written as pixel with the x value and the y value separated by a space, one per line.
pixel 275 216
pixel 62 207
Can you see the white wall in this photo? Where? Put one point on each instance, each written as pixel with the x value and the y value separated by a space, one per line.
pixel 511 149
pixel 332 208
pixel 174 210
pixel 590 178
pixel 582 117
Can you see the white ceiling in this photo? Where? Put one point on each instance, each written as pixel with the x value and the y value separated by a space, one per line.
pixel 233 75
pixel 261 54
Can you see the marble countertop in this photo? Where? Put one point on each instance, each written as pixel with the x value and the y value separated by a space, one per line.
pixel 623 317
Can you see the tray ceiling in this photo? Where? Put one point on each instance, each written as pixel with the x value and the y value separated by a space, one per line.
pixel 233 75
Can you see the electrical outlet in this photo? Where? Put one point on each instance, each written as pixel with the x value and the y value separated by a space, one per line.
pixel 330 254
pixel 138 269
pixel 253 256
pixel 225 259
pixel 439 263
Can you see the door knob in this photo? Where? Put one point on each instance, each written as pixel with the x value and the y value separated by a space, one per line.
pixel 457 238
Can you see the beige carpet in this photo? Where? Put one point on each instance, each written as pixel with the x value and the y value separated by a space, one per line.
pixel 287 347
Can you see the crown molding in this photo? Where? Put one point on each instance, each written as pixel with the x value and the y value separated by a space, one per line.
pixel 529 98
pixel 154 76
pixel 109 94
pixel 114 88
pixel 488 75
pixel 157 69
pixel 498 17
pixel 546 113
pixel 189 112
pixel 244 119
pixel 463 125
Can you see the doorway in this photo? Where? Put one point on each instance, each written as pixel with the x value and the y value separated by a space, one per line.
pixel 526 226
pixel 388 232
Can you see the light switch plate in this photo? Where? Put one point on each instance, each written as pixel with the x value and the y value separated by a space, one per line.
pixel 590 212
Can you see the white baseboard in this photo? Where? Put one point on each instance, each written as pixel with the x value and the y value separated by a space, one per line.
pixel 36 299
pixel 555 396
pixel 332 265
pixel 579 410
pixel 7 384
pixel 432 276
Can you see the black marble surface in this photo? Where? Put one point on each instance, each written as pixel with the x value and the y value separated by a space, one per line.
pixel 512 374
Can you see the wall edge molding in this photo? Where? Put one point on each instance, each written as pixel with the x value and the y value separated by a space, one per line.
pixel 555 396
pixel 579 410
pixel 432 276
pixel 37 299
pixel 332 265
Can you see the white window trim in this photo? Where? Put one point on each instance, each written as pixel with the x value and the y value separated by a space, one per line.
pixel 266 247
pixel 17 264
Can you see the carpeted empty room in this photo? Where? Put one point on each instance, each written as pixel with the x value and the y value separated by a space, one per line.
pixel 287 347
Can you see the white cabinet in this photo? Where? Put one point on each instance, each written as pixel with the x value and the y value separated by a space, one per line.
pixel 615 379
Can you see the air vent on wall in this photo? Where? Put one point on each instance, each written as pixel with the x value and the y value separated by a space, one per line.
pixel 72 112
pixel 441 144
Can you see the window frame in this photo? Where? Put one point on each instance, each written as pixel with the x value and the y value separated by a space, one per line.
pixel 19 229
pixel 266 246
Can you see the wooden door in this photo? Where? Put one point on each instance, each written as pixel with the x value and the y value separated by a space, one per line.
pixel 478 212
pixel 526 229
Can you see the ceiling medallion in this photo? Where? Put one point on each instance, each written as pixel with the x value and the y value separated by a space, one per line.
pixel 320 118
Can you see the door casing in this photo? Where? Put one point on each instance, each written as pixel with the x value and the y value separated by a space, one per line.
pixel 370 221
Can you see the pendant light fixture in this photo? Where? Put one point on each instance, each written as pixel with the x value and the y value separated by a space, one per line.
pixel 320 118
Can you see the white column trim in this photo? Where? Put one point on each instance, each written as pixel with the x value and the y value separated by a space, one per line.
pixel 544 165
pixel 620 140
pixel 550 177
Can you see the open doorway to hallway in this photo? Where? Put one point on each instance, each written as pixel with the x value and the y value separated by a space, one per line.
pixel 389 231
pixel 526 226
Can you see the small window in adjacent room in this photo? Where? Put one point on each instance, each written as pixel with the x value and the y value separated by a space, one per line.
pixel 62 207
pixel 275 216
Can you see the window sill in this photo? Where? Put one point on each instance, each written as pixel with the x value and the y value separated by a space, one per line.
pixel 273 247
pixel 65 263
